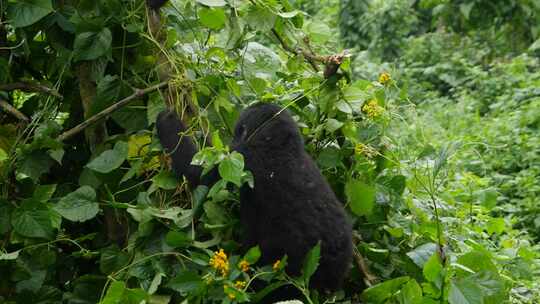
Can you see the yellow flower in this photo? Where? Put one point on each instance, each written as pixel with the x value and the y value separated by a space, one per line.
pixel 229 291
pixel 239 284
pixel 243 265
pixel 276 265
pixel 220 262
pixel 361 149
pixel 372 109
pixel 384 78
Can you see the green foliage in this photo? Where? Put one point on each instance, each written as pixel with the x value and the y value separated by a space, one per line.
pixel 436 162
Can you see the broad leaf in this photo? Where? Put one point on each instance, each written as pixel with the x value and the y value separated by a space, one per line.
pixel 361 197
pixel 33 219
pixel 110 159
pixel 186 281
pixel 231 168
pixel 78 206
pixel 311 262
pixel 92 45
pixel 382 291
pixel 465 292
pixel 212 18
pixel 22 13
pixel 253 255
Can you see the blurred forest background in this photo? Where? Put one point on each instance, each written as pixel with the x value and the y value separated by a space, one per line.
pixel 424 116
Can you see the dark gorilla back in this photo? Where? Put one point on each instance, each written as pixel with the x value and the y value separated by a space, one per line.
pixel 291 206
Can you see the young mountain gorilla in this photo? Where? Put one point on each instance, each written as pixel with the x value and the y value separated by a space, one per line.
pixel 291 206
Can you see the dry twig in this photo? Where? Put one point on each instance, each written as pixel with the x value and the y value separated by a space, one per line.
pixel 13 111
pixel 30 87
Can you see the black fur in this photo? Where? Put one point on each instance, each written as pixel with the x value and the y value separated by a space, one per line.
pixel 156 4
pixel 291 207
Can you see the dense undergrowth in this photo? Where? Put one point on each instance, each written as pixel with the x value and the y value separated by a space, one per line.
pixel 429 134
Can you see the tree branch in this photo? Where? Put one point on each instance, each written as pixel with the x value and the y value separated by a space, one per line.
pixel 311 58
pixel 106 112
pixel 30 87
pixel 13 111
pixel 332 62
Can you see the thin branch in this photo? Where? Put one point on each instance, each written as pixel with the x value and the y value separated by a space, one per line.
pixel 13 111
pixel 108 111
pixel 331 62
pixel 369 278
pixel 30 87
pixel 310 57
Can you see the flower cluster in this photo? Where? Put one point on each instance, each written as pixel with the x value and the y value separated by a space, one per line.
pixel 240 284
pixel 220 262
pixel 384 78
pixel 229 292
pixel 362 149
pixel 243 265
pixel 372 109
pixel 276 265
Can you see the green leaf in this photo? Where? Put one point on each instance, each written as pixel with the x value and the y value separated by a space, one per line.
pixel 491 284
pixel 477 261
pixel 232 167
pixel 33 219
pixel 112 259
pixel 3 155
pixel 421 254
pixel 212 18
pixel 382 291
pixel 92 45
pixel 318 31
pixel 465 9
pixel 411 293
pixel 111 159
pixel 216 213
pixel 57 155
pixel 311 262
pixel 115 293
pixel 253 255
pixel 212 2
pixel 260 61
pixel 329 157
pixel 360 196
pixel 9 256
pixel 433 269
pixel 487 197
pixel 178 239
pixel 165 180
pixel 465 292
pixel 496 225
pixel 344 107
pixel 187 282
pixel 26 12
pixel 78 206
pixel 260 18
pixel 43 193
pixel 34 165
pixel 333 125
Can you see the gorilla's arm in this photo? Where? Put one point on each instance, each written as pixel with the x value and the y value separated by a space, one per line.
pixel 181 149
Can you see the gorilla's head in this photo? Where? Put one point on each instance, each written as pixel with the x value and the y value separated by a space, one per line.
pixel 267 127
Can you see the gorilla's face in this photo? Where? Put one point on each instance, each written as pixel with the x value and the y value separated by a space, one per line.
pixel 266 127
